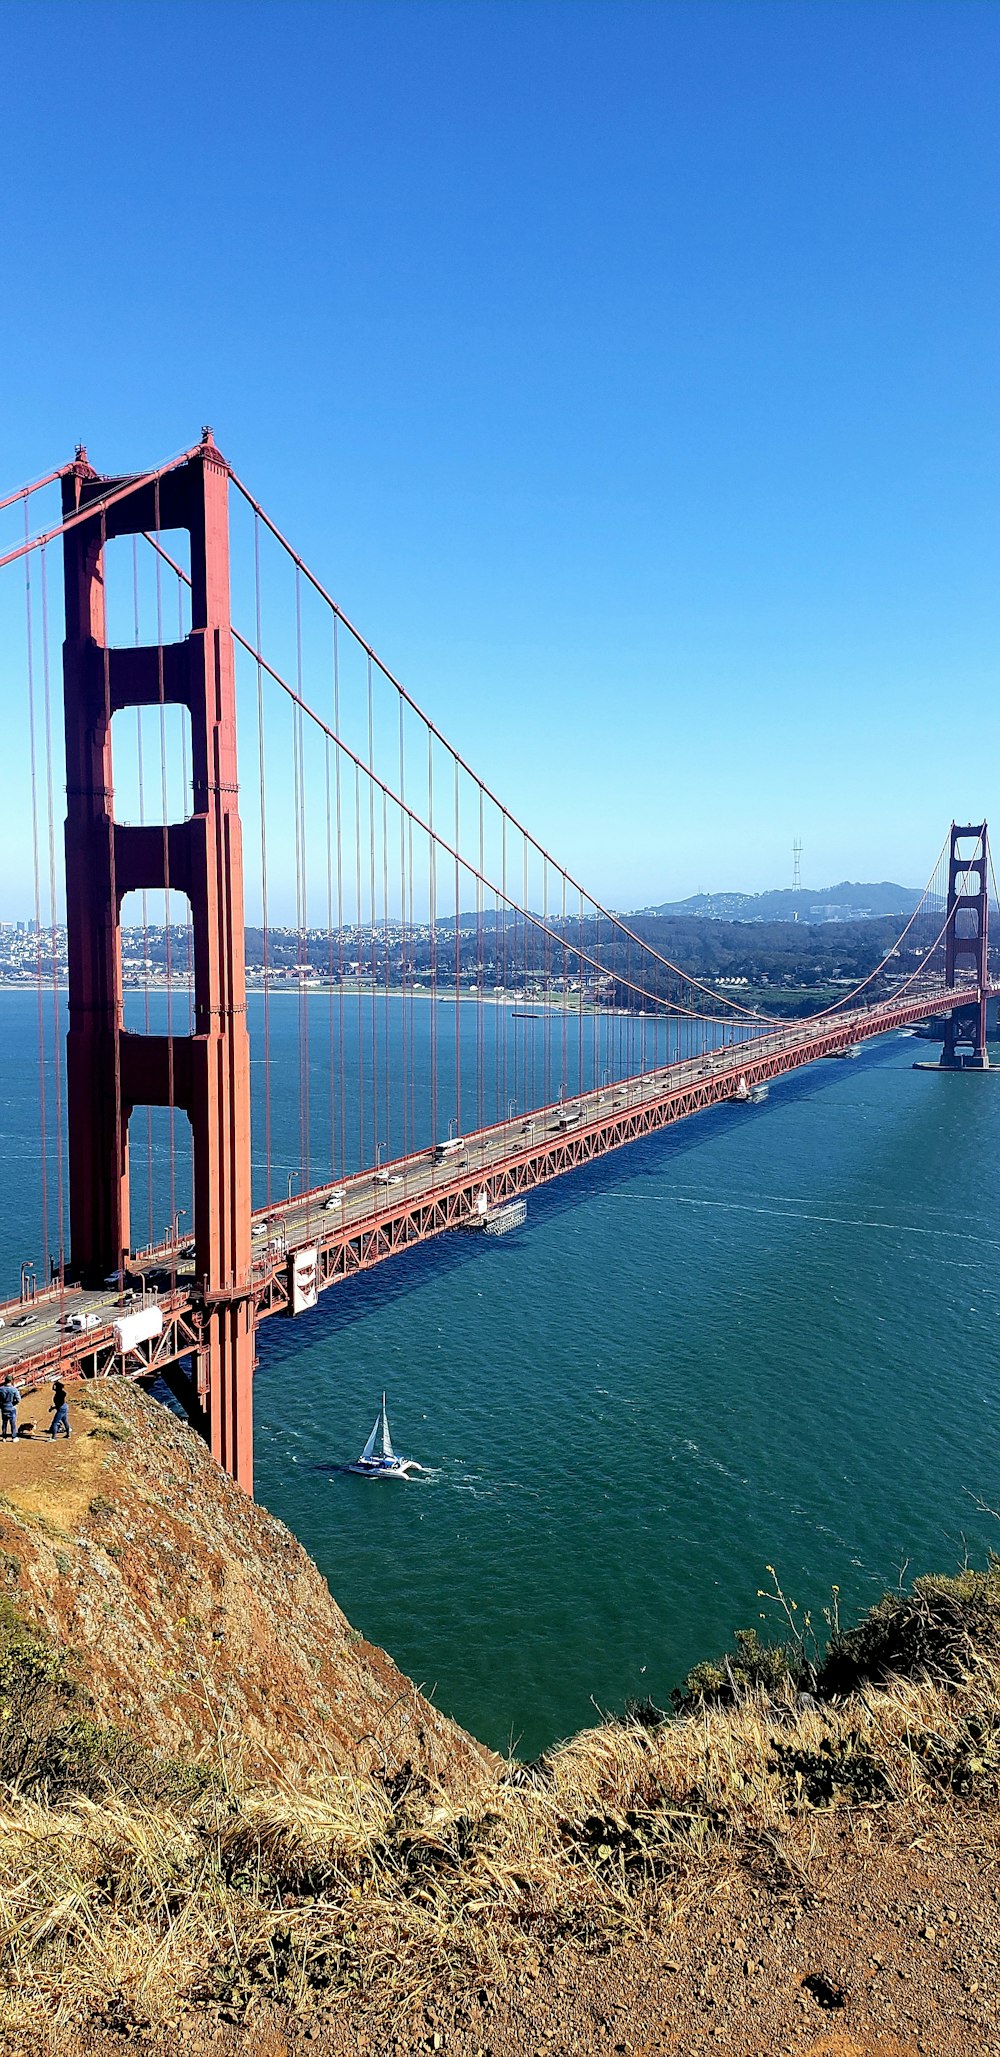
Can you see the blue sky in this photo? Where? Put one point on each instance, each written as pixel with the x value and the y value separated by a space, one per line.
pixel 629 372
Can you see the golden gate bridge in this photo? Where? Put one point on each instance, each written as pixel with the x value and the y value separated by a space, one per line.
pixel 414 887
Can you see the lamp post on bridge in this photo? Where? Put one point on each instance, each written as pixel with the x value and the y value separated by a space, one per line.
pixel 173 1236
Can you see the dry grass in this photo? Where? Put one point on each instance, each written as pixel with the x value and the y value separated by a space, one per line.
pixel 396 1890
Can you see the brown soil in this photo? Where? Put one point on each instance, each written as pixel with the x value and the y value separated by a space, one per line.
pixel 866 1949
pixel 197 1618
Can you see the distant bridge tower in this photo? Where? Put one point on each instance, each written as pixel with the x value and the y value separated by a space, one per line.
pixel 967 947
pixel 110 1069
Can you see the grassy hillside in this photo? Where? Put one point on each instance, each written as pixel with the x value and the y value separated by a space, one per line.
pixel 389 1900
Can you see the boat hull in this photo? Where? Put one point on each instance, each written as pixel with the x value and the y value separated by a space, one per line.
pixel 498 1221
pixel 385 1467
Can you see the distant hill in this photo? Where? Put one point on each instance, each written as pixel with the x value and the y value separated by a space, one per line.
pixel 846 902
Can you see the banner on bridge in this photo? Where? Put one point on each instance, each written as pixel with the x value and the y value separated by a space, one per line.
pixel 302 1281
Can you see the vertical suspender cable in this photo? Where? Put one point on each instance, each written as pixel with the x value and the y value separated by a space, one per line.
pixel 546 992
pixel 338 801
pixel 359 981
pixel 302 893
pixel 387 1049
pixel 265 969
pixel 186 808
pixel 329 954
pixel 43 1135
pixel 297 844
pixel 53 936
pixel 579 1009
pixel 505 1006
pixel 164 795
pixel 150 1232
pixel 480 982
pixel 564 1010
pixel 432 917
pixel 528 1060
pixel 376 1108
pixel 458 971
pixel 120 1140
pixel 500 1016
pixel 411 926
pixel 405 948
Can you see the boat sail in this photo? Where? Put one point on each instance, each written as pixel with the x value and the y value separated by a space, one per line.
pixel 383 1463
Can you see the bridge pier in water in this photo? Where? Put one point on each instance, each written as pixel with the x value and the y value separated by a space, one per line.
pixel 111 1070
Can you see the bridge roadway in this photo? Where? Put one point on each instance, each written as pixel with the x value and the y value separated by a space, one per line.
pixel 418 1196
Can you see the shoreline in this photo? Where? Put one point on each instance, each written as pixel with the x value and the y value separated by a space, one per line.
pixel 519 1003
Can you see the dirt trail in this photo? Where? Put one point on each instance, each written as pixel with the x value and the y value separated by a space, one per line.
pixel 868 1950
pixel 55 1478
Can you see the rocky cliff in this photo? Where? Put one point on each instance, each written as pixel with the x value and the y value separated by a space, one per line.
pixel 195 1618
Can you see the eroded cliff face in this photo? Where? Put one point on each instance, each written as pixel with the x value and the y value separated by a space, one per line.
pixel 198 1621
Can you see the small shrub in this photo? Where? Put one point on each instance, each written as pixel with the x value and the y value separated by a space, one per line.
pixel 49 1741
pixel 645 1714
pixel 84 1756
pixel 36 1694
pixel 840 1770
pixel 933 1630
pixel 967 1763
pixel 752 1666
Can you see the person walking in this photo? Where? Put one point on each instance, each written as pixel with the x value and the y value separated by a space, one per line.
pixel 60 1410
pixel 10 1400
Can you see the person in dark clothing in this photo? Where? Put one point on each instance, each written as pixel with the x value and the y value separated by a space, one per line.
pixel 10 1400
pixel 60 1410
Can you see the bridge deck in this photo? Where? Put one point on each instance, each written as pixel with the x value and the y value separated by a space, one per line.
pixel 416 1197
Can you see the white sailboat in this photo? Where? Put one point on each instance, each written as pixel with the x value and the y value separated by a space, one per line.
pixel 383 1463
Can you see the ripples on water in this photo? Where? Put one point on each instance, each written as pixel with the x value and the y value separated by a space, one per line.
pixel 766 1336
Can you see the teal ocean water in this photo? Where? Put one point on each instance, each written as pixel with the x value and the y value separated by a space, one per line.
pixel 765 1337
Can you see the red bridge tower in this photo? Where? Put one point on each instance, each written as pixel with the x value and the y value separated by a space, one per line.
pixel 111 1070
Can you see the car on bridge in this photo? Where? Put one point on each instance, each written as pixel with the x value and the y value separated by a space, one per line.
pixel 334 1199
pixel 387 1178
